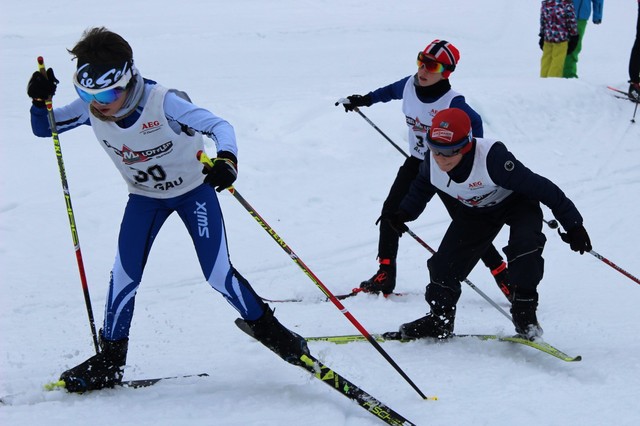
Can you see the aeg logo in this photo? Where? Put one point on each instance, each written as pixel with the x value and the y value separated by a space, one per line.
pixel 475 185
pixel 150 127
pixel 150 124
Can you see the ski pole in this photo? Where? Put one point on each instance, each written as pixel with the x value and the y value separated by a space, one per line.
pixel 203 158
pixel 553 224
pixel 67 198
pixel 356 109
pixel 469 283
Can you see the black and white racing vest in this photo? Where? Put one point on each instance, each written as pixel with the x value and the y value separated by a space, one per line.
pixel 478 190
pixel 418 116
pixel 153 160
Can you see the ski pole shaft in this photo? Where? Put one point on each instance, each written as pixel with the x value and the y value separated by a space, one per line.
pixel 469 283
pixel 67 198
pixel 553 224
pixel 356 109
pixel 614 266
pixel 203 158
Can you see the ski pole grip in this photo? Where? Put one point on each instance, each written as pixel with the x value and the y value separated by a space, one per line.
pixel 41 66
pixel 204 158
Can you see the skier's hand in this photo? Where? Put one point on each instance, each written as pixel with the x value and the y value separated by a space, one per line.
pixel 577 238
pixel 354 101
pixel 397 221
pixel 41 88
pixel 223 172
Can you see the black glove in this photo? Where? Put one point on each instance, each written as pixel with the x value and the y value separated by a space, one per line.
pixel 356 101
pixel 41 88
pixel 223 172
pixel 573 43
pixel 397 220
pixel 541 43
pixel 577 238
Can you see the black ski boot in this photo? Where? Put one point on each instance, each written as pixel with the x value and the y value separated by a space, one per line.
pixel 382 281
pixel 523 311
pixel 501 275
pixel 439 326
pixel 103 370
pixel 284 342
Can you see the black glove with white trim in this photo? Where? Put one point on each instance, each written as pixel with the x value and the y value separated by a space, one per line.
pixel 223 172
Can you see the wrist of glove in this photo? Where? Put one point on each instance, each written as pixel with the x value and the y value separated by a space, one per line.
pixel 397 221
pixel 577 238
pixel 40 87
pixel 541 42
pixel 354 101
pixel 223 172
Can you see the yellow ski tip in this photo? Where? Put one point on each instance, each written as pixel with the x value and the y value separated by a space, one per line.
pixel 59 384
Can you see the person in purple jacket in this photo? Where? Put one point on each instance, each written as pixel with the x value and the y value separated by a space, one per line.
pixel 583 13
pixel 492 189
pixel 423 94
pixel 152 134
pixel 558 35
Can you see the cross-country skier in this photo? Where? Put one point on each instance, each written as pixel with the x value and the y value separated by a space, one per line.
pixel 634 63
pixel 493 189
pixel 423 94
pixel 152 135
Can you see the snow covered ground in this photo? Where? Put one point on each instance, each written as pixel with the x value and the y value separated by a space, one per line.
pixel 319 176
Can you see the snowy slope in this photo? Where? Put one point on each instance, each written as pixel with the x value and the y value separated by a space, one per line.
pixel 319 176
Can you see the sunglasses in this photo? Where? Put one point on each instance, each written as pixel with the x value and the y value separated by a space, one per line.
pixel 430 64
pixel 449 150
pixel 103 96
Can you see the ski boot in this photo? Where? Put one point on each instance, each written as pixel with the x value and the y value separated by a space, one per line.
pixel 523 311
pixel 284 342
pixel 382 281
pixel 103 370
pixel 501 275
pixel 436 325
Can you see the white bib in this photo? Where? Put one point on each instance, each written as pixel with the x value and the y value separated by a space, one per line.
pixel 153 160
pixel 478 190
pixel 418 116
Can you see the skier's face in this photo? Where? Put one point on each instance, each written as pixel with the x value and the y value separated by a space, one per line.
pixel 446 164
pixel 111 109
pixel 426 78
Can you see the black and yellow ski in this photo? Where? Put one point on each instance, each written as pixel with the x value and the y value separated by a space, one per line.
pixel 344 386
pixel 394 335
